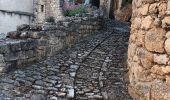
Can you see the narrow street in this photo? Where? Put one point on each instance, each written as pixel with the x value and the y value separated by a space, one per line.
pixel 93 69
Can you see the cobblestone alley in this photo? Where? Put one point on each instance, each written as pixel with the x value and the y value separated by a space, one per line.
pixel 93 69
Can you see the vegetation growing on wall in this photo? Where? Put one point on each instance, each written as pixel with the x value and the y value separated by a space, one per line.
pixel 71 9
pixel 74 11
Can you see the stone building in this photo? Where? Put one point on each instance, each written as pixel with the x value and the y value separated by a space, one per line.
pixel 20 12
pixel 47 8
pixel 149 50
pixel 14 13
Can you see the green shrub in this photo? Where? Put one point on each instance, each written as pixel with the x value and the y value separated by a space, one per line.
pixel 74 12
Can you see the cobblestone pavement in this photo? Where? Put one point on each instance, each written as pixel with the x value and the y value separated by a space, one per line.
pixel 93 69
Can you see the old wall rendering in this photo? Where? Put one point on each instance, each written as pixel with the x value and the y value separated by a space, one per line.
pixel 14 13
pixel 149 50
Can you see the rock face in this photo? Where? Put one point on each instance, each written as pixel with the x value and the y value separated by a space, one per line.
pixel 149 50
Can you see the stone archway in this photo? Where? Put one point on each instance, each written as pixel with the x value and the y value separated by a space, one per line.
pixel 149 50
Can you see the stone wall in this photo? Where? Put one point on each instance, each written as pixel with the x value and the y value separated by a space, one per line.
pixel 34 43
pixel 149 50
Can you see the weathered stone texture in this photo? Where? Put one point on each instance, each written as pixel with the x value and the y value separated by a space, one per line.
pixel 46 8
pixel 29 44
pixel 149 50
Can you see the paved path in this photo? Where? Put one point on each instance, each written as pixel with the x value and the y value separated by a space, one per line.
pixel 93 69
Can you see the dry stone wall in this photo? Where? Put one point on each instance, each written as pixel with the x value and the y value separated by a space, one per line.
pixel 34 43
pixel 149 50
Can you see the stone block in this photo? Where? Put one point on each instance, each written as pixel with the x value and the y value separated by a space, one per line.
pixel 28 44
pixel 21 55
pixel 144 10
pixel 1 58
pixel 25 45
pixel 66 24
pixel 3 69
pixel 154 40
pixel 42 42
pixel 41 47
pixel 146 57
pixel 157 22
pixel 134 93
pixel 15 46
pixel 21 63
pixel 35 27
pixel 147 23
pixel 25 34
pixel 12 56
pixel 37 35
pixel 13 34
pixel 31 60
pixel 162 9
pixel 23 27
pixel 41 54
pixel 161 59
pixel 54 40
pixel 168 79
pixel 2 64
pixel 10 65
pixel 168 8
pixel 167 46
pixel 59 33
pixel 166 20
pixel 49 27
pixel 153 8
pixel 140 40
pixel 160 70
pixel 30 54
pixel 4 48
pixel 160 90
pixel 168 34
